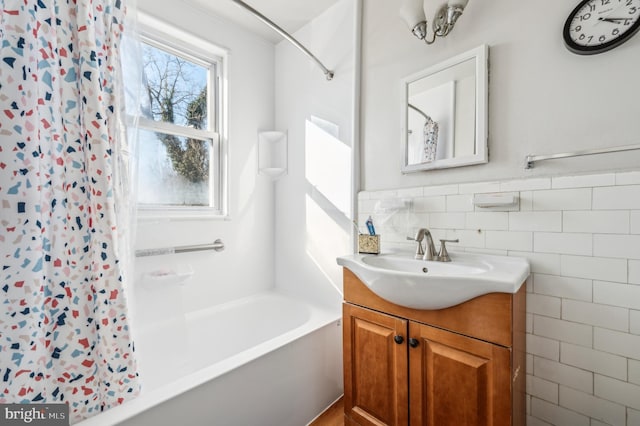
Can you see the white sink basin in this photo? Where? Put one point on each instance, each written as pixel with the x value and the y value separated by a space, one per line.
pixel 421 284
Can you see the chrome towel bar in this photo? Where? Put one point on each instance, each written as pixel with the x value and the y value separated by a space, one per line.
pixel 534 158
pixel 217 245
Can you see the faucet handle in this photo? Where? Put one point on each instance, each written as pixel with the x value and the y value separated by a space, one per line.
pixel 419 249
pixel 443 256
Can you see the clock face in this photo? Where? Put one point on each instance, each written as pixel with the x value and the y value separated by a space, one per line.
pixel 596 26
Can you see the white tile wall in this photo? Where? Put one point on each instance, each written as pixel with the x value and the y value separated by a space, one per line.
pixel 616 342
pixel 505 240
pixel 526 201
pixel 634 372
pixel 495 221
pixel 543 348
pixel 563 243
pixel 562 199
pixel 616 198
pixel 628 178
pixel 563 374
pixel 557 415
pixel 563 331
pixel 604 316
pixel 586 181
pixel 634 322
pixel 635 221
pixel 542 263
pixel 449 220
pixel 544 305
pixel 535 221
pixel 617 390
pixel 430 204
pixel 581 235
pixel 624 246
pixel 604 222
pixel 597 408
pixel 564 287
pixel 616 294
pixel 597 268
pixel 599 362
pixel 634 272
pixel 460 203
pixel 468 238
pixel 542 389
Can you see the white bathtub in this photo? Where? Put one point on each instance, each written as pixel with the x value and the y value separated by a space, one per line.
pixel 268 359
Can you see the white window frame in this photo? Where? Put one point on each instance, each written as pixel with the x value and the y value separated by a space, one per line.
pixel 175 41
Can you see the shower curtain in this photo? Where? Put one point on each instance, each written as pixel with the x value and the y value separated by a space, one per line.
pixel 64 333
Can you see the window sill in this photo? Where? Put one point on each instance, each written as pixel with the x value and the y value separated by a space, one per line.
pixel 151 215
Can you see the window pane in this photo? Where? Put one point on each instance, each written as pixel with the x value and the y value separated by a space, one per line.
pixel 177 88
pixel 173 170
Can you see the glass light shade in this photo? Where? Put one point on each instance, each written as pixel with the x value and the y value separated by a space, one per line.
pixel 458 3
pixel 411 12
pixel 431 9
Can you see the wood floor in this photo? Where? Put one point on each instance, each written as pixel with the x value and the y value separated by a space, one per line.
pixel 332 416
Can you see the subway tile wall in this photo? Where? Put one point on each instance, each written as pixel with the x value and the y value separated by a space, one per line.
pixel 581 235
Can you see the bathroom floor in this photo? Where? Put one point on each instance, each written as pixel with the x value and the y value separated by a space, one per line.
pixel 332 416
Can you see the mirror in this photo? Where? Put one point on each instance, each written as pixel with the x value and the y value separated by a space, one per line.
pixel 444 113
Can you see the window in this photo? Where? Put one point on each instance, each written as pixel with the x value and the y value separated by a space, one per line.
pixel 181 156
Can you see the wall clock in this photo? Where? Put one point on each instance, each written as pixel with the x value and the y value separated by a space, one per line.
pixel 596 26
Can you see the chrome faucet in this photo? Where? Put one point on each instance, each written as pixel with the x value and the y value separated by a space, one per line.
pixel 430 252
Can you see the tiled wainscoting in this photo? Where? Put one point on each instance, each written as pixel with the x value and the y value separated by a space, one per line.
pixel 581 235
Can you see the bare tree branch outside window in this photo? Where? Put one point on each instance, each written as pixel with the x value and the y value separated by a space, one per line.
pixel 178 94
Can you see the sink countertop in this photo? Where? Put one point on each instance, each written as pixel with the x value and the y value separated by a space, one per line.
pixel 420 284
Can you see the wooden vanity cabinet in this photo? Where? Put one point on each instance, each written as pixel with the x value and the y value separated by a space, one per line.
pixel 459 366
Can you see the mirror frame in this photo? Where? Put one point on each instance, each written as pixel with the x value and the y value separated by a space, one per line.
pixel 480 55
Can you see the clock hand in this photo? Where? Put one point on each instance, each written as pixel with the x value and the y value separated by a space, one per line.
pixel 614 20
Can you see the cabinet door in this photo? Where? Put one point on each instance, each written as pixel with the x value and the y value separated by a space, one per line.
pixel 457 380
pixel 375 367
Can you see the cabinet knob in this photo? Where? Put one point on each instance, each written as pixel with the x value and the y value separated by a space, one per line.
pixel 398 339
pixel 413 342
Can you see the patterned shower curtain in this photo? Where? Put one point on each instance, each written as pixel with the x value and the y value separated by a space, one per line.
pixel 64 334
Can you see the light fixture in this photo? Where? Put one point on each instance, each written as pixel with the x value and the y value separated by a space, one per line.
pixel 415 13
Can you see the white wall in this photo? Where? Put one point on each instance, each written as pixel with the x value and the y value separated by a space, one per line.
pixel 246 265
pixel 578 219
pixel 313 201
pixel 543 99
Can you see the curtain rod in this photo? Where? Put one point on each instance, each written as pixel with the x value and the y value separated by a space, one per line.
pixel 419 111
pixel 327 72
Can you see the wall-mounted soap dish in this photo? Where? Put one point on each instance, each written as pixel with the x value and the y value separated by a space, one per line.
pixel 167 276
pixel 495 200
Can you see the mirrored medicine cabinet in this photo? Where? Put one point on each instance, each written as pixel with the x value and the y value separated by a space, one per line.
pixel 445 113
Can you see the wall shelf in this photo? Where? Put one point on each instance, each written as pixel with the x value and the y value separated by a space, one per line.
pixel 272 153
